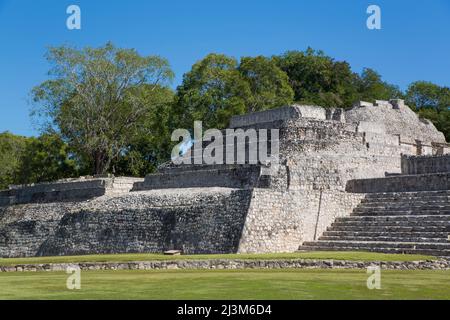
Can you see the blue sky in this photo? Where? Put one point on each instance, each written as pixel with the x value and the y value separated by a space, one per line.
pixel 414 43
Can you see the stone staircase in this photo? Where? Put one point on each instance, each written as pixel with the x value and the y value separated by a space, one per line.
pixel 393 222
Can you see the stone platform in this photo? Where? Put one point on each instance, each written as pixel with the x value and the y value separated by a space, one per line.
pixel 67 190
pixel 230 208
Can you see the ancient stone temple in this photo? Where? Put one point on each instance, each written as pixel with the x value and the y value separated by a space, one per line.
pixel 372 178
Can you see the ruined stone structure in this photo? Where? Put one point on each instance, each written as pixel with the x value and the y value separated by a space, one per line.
pixel 330 162
pixel 404 213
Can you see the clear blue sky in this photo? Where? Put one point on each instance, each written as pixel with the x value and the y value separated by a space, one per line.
pixel 414 43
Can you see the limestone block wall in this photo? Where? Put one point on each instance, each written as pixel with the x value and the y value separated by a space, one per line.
pixel 66 190
pixel 398 119
pixel 321 155
pixel 206 220
pixel 401 183
pixel 425 164
pixel 280 221
pixel 224 209
pixel 220 176
pixel 24 228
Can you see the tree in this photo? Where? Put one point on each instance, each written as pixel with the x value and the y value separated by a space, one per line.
pixel 422 94
pixel 212 92
pixel 318 79
pixel 11 150
pixel 269 85
pixel 46 158
pixel 371 87
pixel 99 98
pixel 432 102
pixel 152 145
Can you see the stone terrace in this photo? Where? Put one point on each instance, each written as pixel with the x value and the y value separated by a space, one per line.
pixel 326 157
pixel 408 213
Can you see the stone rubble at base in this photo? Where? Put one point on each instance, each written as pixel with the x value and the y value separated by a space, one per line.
pixel 326 159
pixel 233 264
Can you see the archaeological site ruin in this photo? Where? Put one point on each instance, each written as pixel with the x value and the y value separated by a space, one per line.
pixel 373 178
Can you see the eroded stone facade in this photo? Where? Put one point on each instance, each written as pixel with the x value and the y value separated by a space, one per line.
pixel 227 208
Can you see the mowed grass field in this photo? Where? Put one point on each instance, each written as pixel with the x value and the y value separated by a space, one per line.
pixel 227 284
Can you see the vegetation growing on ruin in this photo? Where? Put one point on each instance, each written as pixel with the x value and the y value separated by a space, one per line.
pixel 111 110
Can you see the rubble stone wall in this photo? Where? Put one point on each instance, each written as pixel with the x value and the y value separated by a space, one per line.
pixel 328 160
pixel 194 221
pixel 425 164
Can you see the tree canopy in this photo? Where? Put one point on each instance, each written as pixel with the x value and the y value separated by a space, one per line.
pixel 99 98
pixel 432 102
pixel 269 85
pixel 111 110
pixel 25 160
pixel 11 149
pixel 212 92
pixel 319 79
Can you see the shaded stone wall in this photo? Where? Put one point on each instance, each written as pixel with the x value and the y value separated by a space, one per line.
pixel 224 209
pixel 24 228
pixel 425 164
pixel 401 183
pixel 221 176
pixel 194 220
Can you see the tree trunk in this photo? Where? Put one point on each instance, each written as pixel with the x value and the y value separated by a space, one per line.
pixel 99 162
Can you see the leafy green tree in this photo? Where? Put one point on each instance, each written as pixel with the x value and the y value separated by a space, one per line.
pixel 269 85
pixel 99 99
pixel 441 119
pixel 152 145
pixel 422 94
pixel 11 150
pixel 317 78
pixel 432 102
pixel 371 87
pixel 46 158
pixel 211 92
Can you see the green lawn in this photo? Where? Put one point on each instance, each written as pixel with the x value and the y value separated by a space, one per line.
pixel 354 256
pixel 227 284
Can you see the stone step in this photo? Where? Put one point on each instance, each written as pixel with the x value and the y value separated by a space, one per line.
pixel 393 228
pixel 389 238
pixel 390 224
pixel 396 218
pixel 444 206
pixel 380 244
pixel 417 234
pixel 406 204
pixel 358 213
pixel 389 198
pixel 419 194
pixel 394 222
pixel 400 202
pixel 380 224
pixel 443 253
pixel 400 212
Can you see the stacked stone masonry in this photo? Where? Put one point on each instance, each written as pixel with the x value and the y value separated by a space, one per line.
pixel 226 208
